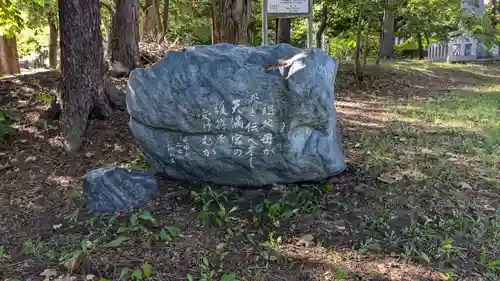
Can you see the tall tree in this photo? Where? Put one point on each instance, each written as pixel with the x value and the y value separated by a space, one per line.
pixel 366 49
pixel 152 21
pixel 166 5
pixel 11 23
pixel 231 19
pixel 148 28
pixel 124 39
pixel 358 40
pixel 9 58
pixel 284 31
pixel 322 24
pixel 387 46
pixel 82 68
pixel 40 14
pixel 53 46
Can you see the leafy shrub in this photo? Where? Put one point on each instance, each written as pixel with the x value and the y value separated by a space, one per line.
pixel 6 120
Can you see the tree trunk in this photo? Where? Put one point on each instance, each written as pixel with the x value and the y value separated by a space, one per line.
pixel 276 31
pixel 420 50
pixel 284 28
pixel 365 45
pixel 9 58
pixel 53 46
pixel 149 19
pixel 380 40
pixel 495 10
pixel 82 68
pixel 165 16
pixel 125 34
pixel 387 49
pixel 231 19
pixel 358 41
pixel 322 25
pixel 111 11
pixel 159 24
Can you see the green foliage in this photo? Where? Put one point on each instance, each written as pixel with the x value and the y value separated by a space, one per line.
pixel 7 118
pixel 482 28
pixel 11 22
pixel 39 13
pixel 212 206
pixel 430 18
pixel 190 21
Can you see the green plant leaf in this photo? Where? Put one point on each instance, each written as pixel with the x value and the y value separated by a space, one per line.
pixel 205 261
pixel 206 206
pixel 146 216
pixel 329 187
pixel 117 242
pixel 229 277
pixel 122 229
pixel 147 269
pixel 124 272
pixel 189 277
pixel 84 244
pixel 134 219
pixel 174 231
pixel 222 211
pixel 137 275
pixel 1 252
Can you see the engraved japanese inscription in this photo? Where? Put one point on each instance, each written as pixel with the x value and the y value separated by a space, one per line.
pixel 215 114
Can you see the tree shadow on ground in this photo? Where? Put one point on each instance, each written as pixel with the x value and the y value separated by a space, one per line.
pixel 407 194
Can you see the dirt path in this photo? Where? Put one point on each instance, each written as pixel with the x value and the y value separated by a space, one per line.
pixel 419 201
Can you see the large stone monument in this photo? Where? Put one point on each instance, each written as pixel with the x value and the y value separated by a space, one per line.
pixel 222 114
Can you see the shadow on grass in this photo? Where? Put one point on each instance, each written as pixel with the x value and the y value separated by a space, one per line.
pixel 427 182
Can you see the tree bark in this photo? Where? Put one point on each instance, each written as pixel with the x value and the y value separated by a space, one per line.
pixel 358 41
pixel 166 9
pixel 322 25
pixel 420 50
pixel 159 24
pixel 125 34
pixel 9 58
pixel 231 19
pixel 53 46
pixel 149 19
pixel 381 39
pixel 387 49
pixel 365 45
pixel 276 31
pixel 284 28
pixel 82 68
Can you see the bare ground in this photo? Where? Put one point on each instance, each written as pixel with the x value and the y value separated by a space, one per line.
pixel 420 200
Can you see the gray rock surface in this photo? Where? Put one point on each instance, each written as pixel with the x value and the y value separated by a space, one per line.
pixel 113 189
pixel 215 114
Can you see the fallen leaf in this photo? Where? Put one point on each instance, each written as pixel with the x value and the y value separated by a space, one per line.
pixel 117 242
pixel 307 237
pixel 382 268
pixel 390 178
pixel 66 278
pixel 74 263
pixel 57 226
pixel 30 159
pixel 49 272
pixel 306 240
pixel 464 185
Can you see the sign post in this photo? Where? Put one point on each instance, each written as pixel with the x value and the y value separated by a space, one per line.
pixel 277 9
